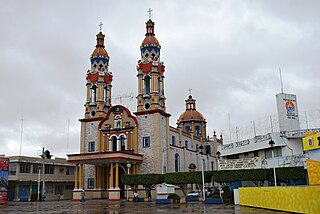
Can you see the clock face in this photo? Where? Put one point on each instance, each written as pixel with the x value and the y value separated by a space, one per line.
pixel 146 106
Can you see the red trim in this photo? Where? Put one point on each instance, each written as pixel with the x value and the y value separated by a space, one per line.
pixel 91 119
pixel 108 78
pixel 104 159
pixel 115 199
pixel 161 69
pixel 114 107
pixel 146 68
pixel 97 153
pixel 152 112
pixel 93 77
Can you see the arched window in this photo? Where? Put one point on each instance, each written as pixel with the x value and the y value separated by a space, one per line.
pixel 173 142
pixel 93 94
pixel 147 84
pixel 186 144
pixel 117 122
pixel 160 86
pixel 212 166
pixel 106 94
pixel 197 129
pixel 164 169
pixel 177 162
pixel 123 142
pixel 114 143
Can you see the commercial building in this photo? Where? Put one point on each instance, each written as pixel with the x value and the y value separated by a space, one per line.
pixel 25 173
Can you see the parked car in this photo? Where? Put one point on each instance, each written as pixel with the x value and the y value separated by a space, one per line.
pixel 193 194
pixel 214 192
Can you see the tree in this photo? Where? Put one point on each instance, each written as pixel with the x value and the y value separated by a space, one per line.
pixel 147 180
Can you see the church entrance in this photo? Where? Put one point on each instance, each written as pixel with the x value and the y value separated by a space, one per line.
pixel 121 185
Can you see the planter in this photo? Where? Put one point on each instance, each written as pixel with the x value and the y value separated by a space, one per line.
pixel 163 201
pixel 192 198
pixel 213 201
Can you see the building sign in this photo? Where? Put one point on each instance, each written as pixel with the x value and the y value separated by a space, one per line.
pixel 244 163
pixel 311 141
pixel 287 108
pixel 4 173
pixel 313 168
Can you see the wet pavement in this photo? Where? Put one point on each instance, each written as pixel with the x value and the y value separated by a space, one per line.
pixel 115 207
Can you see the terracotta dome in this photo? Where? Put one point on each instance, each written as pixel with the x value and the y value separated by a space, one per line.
pixel 150 39
pixel 100 50
pixel 191 115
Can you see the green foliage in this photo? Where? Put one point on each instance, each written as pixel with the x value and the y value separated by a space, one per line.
pixel 174 197
pixel 227 194
pixel 34 196
pixel 290 173
pixel 240 175
pixel 142 179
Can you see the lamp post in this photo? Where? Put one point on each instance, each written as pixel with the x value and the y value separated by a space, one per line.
pixel 218 158
pixel 271 143
pixel 202 172
pixel 128 166
pixel 39 171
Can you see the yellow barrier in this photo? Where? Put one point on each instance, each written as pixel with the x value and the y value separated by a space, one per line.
pixel 301 199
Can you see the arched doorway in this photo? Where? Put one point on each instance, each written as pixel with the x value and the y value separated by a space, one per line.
pixel 114 143
pixel 121 185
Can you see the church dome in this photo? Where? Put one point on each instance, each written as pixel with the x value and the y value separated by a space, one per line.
pixel 150 39
pixel 191 114
pixel 100 50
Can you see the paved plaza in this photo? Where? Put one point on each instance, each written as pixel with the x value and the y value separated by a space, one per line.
pixel 115 207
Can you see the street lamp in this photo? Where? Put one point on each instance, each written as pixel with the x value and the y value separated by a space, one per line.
pixel 39 171
pixel 218 158
pixel 271 143
pixel 128 166
pixel 202 172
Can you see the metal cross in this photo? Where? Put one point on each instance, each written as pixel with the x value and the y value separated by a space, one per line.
pixel 190 90
pixel 150 13
pixel 100 26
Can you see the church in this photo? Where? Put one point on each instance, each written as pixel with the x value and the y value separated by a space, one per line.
pixel 115 141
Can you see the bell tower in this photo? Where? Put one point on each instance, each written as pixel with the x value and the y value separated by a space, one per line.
pixel 99 81
pixel 153 137
pixel 150 73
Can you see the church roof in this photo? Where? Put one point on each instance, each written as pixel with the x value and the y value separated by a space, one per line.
pixel 191 114
pixel 100 50
pixel 150 39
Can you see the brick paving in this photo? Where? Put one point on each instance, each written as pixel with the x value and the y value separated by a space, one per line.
pixel 117 207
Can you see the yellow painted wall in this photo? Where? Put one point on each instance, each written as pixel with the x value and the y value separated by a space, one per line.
pixel 313 168
pixel 302 199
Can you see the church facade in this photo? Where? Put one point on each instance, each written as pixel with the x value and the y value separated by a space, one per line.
pixel 114 141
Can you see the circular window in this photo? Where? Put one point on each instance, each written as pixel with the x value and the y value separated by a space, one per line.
pixel 147 105
pixel 93 113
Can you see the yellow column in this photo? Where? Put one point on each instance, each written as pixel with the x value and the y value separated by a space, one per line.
pixel 140 85
pixel 76 177
pixel 134 169
pixel 99 177
pixel 103 177
pixel 81 177
pixel 111 176
pixel 96 177
pixel 117 175
pixel 106 178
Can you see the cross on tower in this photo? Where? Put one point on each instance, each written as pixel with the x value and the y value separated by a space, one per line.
pixel 100 25
pixel 190 90
pixel 150 13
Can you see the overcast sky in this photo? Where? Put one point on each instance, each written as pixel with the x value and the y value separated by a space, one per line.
pixel 228 52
